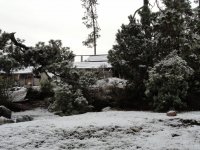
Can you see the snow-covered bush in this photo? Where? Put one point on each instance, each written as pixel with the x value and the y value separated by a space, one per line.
pixel 68 100
pixel 108 92
pixel 87 79
pixel 167 83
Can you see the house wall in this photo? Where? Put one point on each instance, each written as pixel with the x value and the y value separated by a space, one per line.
pixel 23 79
pixel 102 72
pixel 26 80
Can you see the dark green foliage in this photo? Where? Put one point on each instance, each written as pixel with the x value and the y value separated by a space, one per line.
pixel 142 44
pixel 167 84
pixel 4 91
pixel 110 92
pixel 69 101
pixel 7 63
pixel 33 94
pixel 87 78
pixel 46 89
pixel 133 53
pixel 193 97
pixel 5 94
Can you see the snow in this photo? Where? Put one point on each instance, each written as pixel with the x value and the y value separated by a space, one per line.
pixel 19 95
pixel 97 61
pixel 102 131
pixel 37 114
pixel 26 70
pixel 91 65
pixel 98 58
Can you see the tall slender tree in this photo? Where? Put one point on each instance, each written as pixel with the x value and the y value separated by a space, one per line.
pixel 198 2
pixel 145 14
pixel 90 21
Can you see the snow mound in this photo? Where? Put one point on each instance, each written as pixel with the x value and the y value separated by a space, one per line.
pixel 19 95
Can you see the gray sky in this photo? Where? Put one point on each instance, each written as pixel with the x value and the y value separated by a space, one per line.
pixel 42 20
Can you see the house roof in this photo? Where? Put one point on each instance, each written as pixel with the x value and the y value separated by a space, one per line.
pixel 27 70
pixel 23 71
pixel 91 65
pixel 98 58
pixel 94 61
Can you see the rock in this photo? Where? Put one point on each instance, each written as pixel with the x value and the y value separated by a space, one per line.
pixel 171 113
pixel 174 135
pixel 24 118
pixel 59 113
pixel 19 95
pixel 4 120
pixel 5 112
pixel 106 109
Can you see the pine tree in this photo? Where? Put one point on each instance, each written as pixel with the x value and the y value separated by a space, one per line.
pixel 173 28
pixel 90 21
pixel 132 56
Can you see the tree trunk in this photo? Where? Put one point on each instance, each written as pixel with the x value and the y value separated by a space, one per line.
pixel 146 2
pixel 199 10
pixel 94 30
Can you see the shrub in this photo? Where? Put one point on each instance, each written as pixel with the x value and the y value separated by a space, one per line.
pixel 167 84
pixel 87 79
pixel 33 94
pixel 69 101
pixel 5 94
pixel 108 92
pixel 46 89
pixel 193 98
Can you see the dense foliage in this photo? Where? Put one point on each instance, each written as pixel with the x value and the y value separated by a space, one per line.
pixel 143 47
pixel 74 98
pixel 168 83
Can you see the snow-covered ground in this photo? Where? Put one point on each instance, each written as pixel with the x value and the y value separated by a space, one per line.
pixel 118 130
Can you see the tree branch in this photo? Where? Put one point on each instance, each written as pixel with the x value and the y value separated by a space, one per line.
pixel 16 43
pixel 137 11
pixel 140 9
pixel 157 3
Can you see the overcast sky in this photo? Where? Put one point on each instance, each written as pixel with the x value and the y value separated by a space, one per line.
pixel 42 20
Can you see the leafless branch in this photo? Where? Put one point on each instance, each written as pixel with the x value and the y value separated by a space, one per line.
pixel 157 3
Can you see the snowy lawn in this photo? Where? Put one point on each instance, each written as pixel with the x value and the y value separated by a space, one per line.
pixel 103 131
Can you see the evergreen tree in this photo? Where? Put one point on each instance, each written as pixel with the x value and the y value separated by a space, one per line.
pixel 51 57
pixel 132 54
pixel 143 44
pixel 173 28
